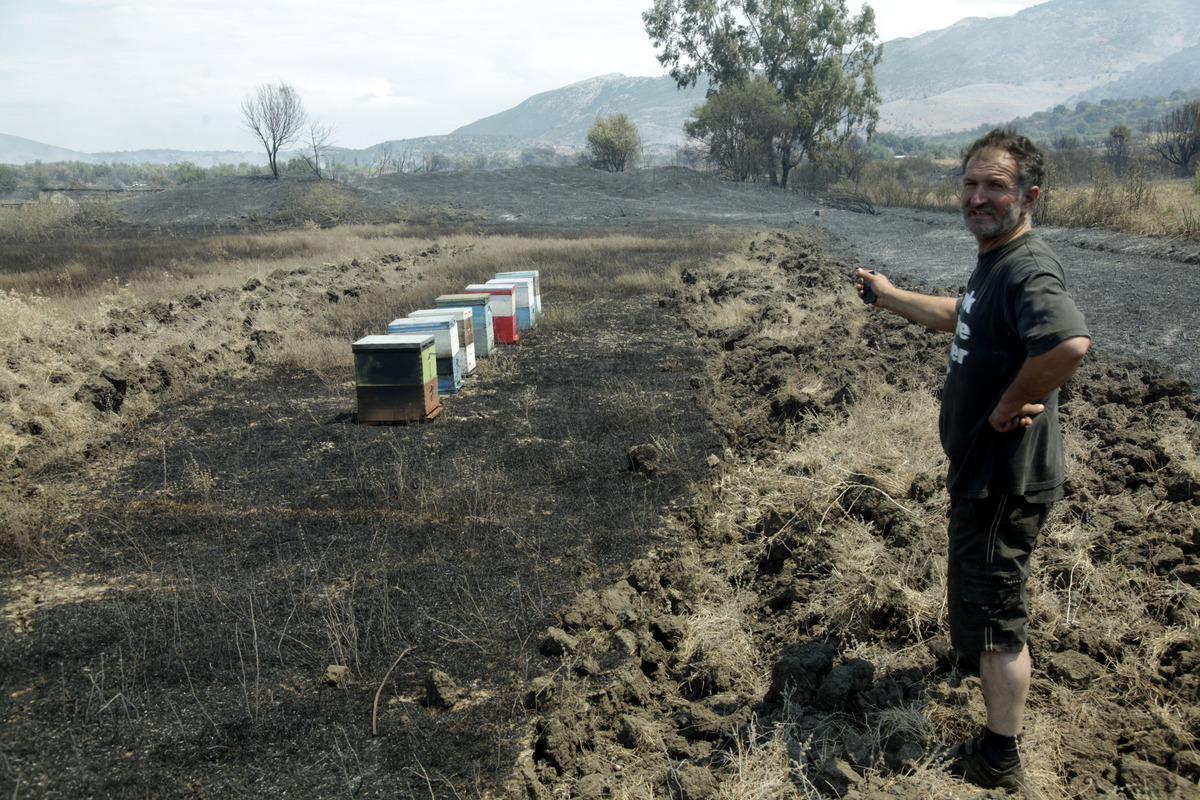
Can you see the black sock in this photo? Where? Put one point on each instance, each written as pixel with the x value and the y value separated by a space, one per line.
pixel 1000 751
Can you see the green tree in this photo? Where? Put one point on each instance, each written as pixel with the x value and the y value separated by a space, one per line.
pixel 436 162
pixel 40 175
pixel 539 156
pixel 1176 137
pixel 738 126
pixel 612 143
pixel 273 112
pixel 820 60
pixel 187 172
pixel 8 179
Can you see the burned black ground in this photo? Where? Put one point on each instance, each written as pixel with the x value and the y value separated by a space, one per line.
pixel 229 550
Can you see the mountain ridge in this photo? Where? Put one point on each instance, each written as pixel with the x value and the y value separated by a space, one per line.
pixel 944 81
pixel 1057 52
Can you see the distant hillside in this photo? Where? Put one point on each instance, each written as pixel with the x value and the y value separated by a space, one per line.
pixel 994 70
pixel 563 116
pixel 947 81
pixel 1180 70
pixel 559 119
pixel 15 150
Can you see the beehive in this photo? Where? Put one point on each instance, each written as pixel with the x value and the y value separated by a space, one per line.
pixel 481 318
pixel 522 300
pixel 464 317
pixel 504 315
pixel 537 285
pixel 395 378
pixel 445 340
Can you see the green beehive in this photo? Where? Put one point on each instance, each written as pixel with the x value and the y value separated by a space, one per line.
pixel 395 378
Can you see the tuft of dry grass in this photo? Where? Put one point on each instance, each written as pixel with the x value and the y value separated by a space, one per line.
pixel 763 767
pixel 842 446
pixel 718 636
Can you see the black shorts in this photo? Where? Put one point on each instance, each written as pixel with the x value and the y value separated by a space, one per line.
pixel 987 573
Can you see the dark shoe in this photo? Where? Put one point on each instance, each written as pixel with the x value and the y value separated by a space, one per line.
pixel 966 762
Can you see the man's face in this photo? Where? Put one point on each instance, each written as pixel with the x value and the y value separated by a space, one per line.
pixel 992 205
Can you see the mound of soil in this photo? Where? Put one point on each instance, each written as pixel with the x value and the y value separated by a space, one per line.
pixel 259 595
pixel 662 715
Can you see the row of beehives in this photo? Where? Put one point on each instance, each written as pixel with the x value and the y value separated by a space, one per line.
pixel 402 375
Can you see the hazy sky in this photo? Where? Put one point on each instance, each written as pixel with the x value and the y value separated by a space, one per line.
pixel 108 75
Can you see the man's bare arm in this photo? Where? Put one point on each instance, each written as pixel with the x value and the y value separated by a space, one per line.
pixel 1039 376
pixel 939 313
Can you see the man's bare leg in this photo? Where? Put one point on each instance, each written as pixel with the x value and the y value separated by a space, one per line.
pixel 1005 678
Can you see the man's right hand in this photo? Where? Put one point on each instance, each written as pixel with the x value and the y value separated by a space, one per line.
pixel 877 280
pixel 939 313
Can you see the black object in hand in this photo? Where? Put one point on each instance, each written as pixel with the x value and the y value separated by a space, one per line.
pixel 868 294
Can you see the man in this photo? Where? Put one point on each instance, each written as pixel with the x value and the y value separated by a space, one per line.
pixel 1017 338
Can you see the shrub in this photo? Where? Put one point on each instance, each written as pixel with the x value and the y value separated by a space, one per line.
pixel 613 143
pixel 93 217
pixel 187 172
pixel 8 180
pixel 323 203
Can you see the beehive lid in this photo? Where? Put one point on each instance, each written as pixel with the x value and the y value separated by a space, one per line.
pixel 424 324
pixel 469 299
pixel 393 341
pixel 459 313
pixel 445 332
pixel 479 314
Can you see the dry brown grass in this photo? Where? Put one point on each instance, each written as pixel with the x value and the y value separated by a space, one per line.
pixel 1129 204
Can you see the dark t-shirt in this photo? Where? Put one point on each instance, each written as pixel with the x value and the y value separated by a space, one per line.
pixel 1016 306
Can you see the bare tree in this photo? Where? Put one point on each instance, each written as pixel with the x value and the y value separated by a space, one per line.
pixel 382 160
pixel 385 159
pixel 274 113
pixel 319 140
pixel 1176 137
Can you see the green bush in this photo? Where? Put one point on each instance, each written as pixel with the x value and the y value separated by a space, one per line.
pixel 8 179
pixel 188 172
pixel 613 143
